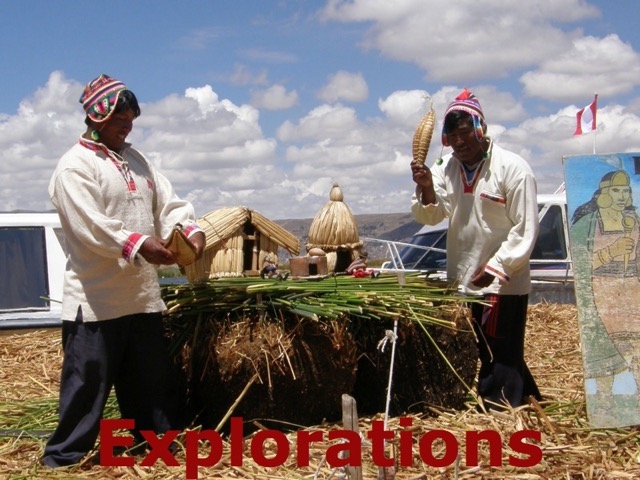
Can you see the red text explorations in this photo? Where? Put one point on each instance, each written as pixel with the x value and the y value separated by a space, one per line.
pixel 347 450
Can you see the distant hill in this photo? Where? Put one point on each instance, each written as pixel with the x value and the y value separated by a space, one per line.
pixel 398 227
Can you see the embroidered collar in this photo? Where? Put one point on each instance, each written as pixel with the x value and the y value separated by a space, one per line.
pixel 95 146
pixel 470 175
pixel 469 181
pixel 120 163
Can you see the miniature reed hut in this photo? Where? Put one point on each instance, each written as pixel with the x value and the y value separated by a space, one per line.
pixel 334 230
pixel 238 240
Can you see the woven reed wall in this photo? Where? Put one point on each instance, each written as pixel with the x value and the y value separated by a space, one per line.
pixel 226 259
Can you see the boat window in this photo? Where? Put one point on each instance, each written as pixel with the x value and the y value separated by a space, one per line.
pixel 23 263
pixel 551 244
pixel 426 259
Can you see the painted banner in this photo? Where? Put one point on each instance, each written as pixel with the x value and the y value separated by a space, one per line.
pixel 603 192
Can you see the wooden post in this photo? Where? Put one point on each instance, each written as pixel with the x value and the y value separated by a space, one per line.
pixel 255 256
pixel 350 422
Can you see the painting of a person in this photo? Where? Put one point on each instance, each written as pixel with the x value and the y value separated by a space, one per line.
pixel 605 232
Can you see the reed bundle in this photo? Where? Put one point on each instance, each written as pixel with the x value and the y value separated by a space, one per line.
pixel 333 297
pixel 422 135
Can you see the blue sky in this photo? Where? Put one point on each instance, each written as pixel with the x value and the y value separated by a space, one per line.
pixel 267 104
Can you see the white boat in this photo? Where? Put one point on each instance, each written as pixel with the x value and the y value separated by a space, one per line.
pixel 551 264
pixel 32 263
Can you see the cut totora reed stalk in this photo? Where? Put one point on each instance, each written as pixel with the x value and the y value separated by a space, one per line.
pixel 423 134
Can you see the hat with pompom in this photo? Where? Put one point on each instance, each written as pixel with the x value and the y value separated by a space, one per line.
pixel 467 102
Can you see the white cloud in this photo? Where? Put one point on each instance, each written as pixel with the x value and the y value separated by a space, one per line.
pixel 320 123
pixel 606 65
pixel 215 150
pixel 200 38
pixel 215 154
pixel 44 127
pixel 242 75
pixel 405 107
pixel 345 86
pixel 275 97
pixel 463 40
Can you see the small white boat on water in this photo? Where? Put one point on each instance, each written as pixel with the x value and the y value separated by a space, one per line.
pixel 32 263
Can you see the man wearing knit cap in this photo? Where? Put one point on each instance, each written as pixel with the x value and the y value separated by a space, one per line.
pixel 115 209
pixel 489 196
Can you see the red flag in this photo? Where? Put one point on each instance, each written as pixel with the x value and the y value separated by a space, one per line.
pixel 586 118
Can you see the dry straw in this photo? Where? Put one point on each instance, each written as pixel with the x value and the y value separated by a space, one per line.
pixel 29 375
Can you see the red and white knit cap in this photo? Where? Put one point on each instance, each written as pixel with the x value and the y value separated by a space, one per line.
pixel 467 102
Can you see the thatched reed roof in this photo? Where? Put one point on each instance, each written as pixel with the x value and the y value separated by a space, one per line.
pixel 334 226
pixel 221 224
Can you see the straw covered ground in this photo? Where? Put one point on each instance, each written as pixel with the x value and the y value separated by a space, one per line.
pixel 29 374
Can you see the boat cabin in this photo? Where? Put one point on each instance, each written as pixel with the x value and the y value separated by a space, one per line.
pixel 32 263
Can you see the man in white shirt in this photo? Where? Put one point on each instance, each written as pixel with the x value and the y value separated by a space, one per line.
pixel 489 196
pixel 115 209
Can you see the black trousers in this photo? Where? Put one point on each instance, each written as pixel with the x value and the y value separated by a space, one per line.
pixel 128 353
pixel 500 328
